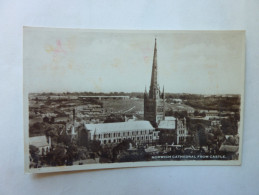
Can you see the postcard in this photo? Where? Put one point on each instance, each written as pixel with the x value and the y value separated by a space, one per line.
pixel 99 99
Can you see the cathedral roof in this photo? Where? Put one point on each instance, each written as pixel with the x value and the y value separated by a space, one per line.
pixel 119 126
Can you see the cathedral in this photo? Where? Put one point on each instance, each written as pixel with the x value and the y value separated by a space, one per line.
pixel 171 130
pixel 154 101
pixel 155 128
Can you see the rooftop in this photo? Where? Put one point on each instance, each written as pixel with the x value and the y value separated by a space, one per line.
pixel 167 124
pixel 119 126
pixel 169 118
pixel 39 141
pixel 228 148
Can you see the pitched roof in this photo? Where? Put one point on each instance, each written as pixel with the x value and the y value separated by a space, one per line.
pixel 119 126
pixel 38 141
pixel 228 148
pixel 169 118
pixel 167 124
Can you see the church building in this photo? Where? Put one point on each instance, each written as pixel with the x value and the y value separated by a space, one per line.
pixel 154 101
pixel 154 128
pixel 171 130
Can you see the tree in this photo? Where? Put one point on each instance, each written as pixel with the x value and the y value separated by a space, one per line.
pixel 95 146
pixel 229 126
pixel 34 152
pixel 217 132
pixel 72 154
pixel 45 119
pixel 196 113
pixel 169 112
pixel 38 128
pixel 56 157
pixel 203 114
pixel 123 146
pixel 113 119
pixel 65 139
pixel 202 137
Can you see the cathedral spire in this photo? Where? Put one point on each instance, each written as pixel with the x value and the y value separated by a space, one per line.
pixel 154 88
pixel 154 102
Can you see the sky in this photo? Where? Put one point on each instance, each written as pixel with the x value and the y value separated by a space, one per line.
pixel 76 60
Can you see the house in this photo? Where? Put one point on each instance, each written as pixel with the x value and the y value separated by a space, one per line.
pixel 41 142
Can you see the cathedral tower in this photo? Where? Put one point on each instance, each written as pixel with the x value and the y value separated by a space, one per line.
pixel 154 101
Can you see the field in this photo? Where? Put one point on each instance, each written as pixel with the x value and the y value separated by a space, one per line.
pixel 124 106
pixel 137 106
pixel 178 107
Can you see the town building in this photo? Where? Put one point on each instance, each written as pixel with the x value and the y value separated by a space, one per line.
pixel 212 113
pixel 182 132
pixel 173 130
pixel 154 101
pixel 41 142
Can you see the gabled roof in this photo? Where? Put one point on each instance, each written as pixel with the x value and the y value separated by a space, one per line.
pixel 38 141
pixel 228 148
pixel 119 126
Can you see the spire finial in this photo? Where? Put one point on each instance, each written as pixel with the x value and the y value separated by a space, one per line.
pixel 154 85
pixel 163 92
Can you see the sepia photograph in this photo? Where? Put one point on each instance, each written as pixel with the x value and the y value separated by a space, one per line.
pixel 98 99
